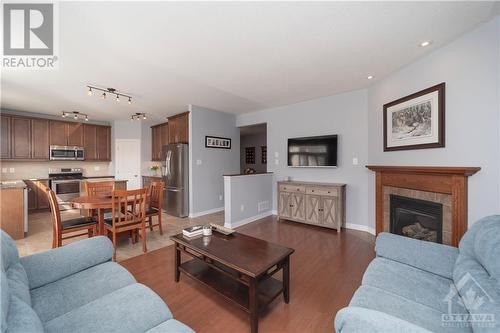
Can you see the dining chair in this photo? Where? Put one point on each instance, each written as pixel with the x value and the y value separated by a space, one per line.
pixel 155 203
pixel 128 214
pixel 63 227
pixel 95 189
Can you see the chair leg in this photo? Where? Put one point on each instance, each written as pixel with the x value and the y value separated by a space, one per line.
pixel 159 223
pixel 114 245
pixel 143 232
pixel 150 221
pixel 59 239
pixel 54 239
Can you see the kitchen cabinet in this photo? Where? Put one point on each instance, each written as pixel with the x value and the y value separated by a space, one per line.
pixel 320 204
pixel 12 211
pixel 21 138
pixel 159 138
pixel 147 180
pixel 40 139
pixel 6 135
pixel 75 134
pixel 90 142
pixel 37 198
pixel 58 133
pixel 103 141
pixel 178 128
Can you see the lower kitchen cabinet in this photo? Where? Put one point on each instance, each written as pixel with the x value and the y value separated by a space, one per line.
pixel 37 198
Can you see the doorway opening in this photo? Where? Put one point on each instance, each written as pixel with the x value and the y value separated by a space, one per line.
pixel 253 149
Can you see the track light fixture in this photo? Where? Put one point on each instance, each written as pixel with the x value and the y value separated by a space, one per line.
pixel 138 116
pixel 76 115
pixel 111 91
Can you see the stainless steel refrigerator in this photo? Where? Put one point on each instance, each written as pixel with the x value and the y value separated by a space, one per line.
pixel 175 171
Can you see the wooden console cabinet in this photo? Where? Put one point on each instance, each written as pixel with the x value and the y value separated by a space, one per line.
pixel 321 204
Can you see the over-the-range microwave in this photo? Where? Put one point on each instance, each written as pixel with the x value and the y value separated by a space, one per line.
pixel 66 153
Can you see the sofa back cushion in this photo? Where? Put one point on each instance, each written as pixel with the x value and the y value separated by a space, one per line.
pixel 22 318
pixel 5 300
pixel 9 254
pixel 476 273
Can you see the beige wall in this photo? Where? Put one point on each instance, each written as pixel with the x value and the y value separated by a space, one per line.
pixel 27 170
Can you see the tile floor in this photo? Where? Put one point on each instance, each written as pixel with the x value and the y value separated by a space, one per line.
pixel 39 236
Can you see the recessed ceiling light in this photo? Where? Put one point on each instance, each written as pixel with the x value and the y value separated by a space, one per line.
pixel 426 43
pixel 369 77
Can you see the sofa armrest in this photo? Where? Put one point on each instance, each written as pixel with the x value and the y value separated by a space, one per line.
pixel 431 257
pixel 46 267
pixel 361 320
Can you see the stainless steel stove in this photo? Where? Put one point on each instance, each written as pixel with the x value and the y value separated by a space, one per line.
pixel 66 184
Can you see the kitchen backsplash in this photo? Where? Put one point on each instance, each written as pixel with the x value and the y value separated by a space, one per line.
pixel 28 170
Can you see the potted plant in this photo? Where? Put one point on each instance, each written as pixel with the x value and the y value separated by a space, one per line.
pixel 155 168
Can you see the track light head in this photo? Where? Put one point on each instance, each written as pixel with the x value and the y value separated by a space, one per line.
pixel 103 95
pixel 89 92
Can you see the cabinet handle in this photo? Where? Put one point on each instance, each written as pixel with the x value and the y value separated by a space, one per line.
pixel 328 191
pixel 312 191
pixel 298 189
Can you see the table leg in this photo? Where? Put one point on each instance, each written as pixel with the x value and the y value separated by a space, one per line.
pixel 286 280
pixel 254 306
pixel 177 255
pixel 100 217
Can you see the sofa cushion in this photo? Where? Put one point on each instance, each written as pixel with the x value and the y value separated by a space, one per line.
pixel 18 283
pixel 57 298
pixel 22 318
pixel 171 326
pixel 403 308
pixel 409 282
pixel 10 256
pixel 5 299
pixel 134 308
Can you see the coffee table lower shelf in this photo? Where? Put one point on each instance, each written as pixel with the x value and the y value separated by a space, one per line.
pixel 232 290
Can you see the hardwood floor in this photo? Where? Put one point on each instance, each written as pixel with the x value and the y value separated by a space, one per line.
pixel 326 269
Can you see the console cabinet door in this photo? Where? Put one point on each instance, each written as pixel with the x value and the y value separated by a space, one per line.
pixel 330 210
pixel 40 139
pixel 313 209
pixel 284 204
pixel 21 138
pixel 6 136
pixel 297 206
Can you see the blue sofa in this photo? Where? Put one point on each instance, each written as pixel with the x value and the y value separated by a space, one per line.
pixel 76 288
pixel 417 286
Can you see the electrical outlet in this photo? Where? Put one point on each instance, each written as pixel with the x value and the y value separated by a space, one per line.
pixel 12 170
pixel 97 168
pixel 276 161
pixel 355 161
pixel 4 170
pixel 220 197
pixel 242 207
pixel 276 154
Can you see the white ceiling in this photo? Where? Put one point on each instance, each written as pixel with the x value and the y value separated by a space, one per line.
pixel 231 56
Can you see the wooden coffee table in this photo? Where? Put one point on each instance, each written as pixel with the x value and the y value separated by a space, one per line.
pixel 238 267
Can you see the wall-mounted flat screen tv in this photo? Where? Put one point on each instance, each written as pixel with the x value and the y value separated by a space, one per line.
pixel 313 151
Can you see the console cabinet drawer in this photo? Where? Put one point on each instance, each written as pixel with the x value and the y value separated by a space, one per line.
pixel 293 188
pixel 322 191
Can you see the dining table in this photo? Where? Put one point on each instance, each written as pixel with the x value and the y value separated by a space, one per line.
pixel 99 203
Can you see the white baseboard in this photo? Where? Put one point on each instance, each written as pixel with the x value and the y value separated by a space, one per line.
pixel 249 220
pixel 206 212
pixel 360 227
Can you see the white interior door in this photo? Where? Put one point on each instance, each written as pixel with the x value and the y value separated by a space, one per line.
pixel 128 162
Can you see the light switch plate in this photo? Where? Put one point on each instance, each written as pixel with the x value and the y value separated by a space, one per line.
pixel 4 170
pixel 198 162
pixel 276 154
pixel 12 170
pixel 97 168
pixel 355 161
pixel 276 161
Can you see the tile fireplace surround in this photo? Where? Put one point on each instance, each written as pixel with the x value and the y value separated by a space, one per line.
pixel 445 185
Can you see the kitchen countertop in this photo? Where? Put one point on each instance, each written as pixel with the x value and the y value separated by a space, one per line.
pixel 99 179
pixel 9 184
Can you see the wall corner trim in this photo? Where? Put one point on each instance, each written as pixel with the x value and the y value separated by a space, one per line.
pixel 206 212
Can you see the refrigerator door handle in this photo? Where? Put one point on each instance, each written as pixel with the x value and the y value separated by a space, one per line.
pixel 172 190
pixel 169 154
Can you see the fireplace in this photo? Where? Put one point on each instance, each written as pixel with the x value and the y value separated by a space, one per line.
pixel 415 218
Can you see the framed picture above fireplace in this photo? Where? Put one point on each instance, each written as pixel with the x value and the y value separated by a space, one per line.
pixel 416 121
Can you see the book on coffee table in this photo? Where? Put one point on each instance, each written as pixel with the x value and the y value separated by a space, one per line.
pixel 193 231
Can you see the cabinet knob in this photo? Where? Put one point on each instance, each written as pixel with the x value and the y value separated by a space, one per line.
pixel 312 191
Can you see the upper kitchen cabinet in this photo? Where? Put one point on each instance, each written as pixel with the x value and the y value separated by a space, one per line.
pixel 103 140
pixel 178 128
pixel 6 134
pixel 90 142
pixel 66 134
pixel 159 138
pixel 21 138
pixel 75 134
pixel 39 139
pixel 58 133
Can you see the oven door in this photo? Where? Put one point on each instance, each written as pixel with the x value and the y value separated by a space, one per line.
pixel 62 153
pixel 65 190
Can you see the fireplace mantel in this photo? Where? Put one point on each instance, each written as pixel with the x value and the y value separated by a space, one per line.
pixel 447 180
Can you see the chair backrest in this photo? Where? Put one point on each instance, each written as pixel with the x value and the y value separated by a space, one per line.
pixel 128 207
pixel 156 194
pixel 94 189
pixel 54 209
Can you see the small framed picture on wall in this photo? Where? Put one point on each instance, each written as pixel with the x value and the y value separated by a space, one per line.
pixel 217 142
pixel 416 121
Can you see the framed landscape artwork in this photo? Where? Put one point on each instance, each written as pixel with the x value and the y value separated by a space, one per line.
pixel 415 121
pixel 217 142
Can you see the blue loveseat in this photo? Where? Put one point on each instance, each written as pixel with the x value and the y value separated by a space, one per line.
pixel 416 286
pixel 77 288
